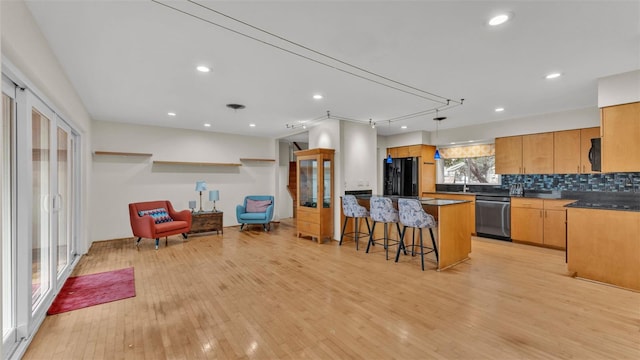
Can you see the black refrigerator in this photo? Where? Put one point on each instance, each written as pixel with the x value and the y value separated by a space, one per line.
pixel 401 177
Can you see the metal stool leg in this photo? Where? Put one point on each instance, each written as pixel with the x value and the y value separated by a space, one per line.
pixel 433 241
pixel 401 244
pixel 356 234
pixel 371 236
pixel 404 230
pixel 421 250
pixel 344 227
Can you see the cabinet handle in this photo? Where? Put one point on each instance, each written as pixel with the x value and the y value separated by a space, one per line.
pixel 584 168
pixel 578 169
pixel 545 213
pixel 540 213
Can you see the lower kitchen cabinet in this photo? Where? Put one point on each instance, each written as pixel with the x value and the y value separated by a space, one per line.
pixel 527 224
pixel 539 221
pixel 603 245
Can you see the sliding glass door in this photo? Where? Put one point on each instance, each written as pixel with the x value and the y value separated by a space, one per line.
pixel 41 202
pixel 7 206
pixel 64 199
pixel 39 184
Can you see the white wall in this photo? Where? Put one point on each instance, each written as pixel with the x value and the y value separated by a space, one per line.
pixel 359 159
pixel 118 180
pixel 405 139
pixel 24 45
pixel 284 207
pixel 565 120
pixel 619 89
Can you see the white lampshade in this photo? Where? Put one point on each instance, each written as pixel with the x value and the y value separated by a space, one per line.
pixel 201 186
pixel 214 195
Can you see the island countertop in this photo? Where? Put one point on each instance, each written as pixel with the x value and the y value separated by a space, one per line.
pixel 423 200
pixel 454 226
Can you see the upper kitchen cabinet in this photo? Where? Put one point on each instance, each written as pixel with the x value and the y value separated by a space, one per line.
pixel 509 155
pixel 566 154
pixel 620 132
pixel 537 153
pixel 527 154
pixel 571 150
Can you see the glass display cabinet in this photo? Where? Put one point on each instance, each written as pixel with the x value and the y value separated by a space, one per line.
pixel 315 193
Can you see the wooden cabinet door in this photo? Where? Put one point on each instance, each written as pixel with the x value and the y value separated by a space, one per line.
pixel 393 152
pixel 537 153
pixel 566 152
pixel 555 229
pixel 620 130
pixel 509 155
pixel 427 169
pixel 415 150
pixel 527 225
pixel 403 151
pixel 585 144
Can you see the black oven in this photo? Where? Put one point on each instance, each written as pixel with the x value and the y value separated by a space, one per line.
pixel 493 216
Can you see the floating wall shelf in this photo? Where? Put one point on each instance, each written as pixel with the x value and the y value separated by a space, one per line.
pixel 188 163
pixel 257 160
pixel 115 153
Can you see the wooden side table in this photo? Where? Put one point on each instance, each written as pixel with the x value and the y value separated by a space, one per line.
pixel 206 221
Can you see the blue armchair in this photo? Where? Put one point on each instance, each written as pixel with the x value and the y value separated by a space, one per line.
pixel 256 209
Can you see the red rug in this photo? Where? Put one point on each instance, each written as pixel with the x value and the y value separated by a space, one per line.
pixel 83 291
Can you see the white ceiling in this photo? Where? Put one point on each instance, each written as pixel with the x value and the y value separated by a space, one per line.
pixel 134 61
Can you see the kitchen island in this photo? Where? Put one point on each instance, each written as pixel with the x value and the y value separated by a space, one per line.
pixel 453 231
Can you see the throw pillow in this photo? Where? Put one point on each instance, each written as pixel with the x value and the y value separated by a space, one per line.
pixel 159 215
pixel 257 206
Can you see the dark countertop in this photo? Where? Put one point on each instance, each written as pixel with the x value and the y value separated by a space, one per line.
pixel 423 200
pixel 609 206
pixel 531 195
pixel 624 201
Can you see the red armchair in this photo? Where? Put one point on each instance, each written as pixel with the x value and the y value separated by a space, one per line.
pixel 155 224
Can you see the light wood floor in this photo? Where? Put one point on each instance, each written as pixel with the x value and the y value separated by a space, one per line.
pixel 272 295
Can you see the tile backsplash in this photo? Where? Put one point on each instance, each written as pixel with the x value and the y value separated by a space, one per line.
pixel 609 182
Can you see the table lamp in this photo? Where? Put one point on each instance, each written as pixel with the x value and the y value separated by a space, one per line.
pixel 214 196
pixel 200 187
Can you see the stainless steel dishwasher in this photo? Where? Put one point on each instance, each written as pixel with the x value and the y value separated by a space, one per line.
pixel 493 216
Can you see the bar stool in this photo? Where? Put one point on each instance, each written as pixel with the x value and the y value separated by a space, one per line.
pixel 355 211
pixel 382 210
pixel 413 215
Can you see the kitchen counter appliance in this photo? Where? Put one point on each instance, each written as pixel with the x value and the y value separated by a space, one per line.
pixel 493 216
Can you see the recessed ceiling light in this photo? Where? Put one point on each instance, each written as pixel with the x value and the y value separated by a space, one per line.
pixel 403 127
pixel 171 114
pixel 252 125
pixel 317 96
pixel 203 68
pixel 499 109
pixel 207 125
pixel 499 19
pixel 553 75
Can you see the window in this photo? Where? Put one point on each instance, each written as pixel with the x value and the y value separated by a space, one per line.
pixel 473 164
